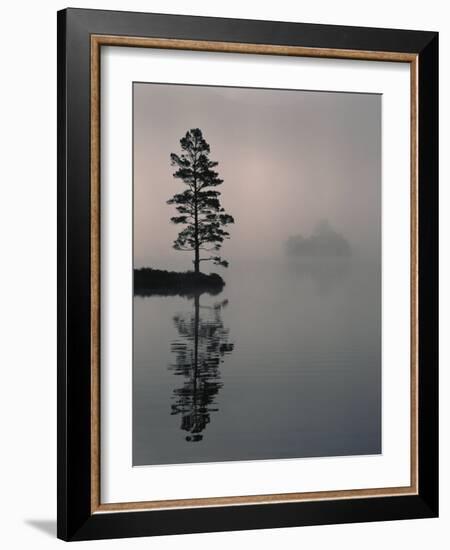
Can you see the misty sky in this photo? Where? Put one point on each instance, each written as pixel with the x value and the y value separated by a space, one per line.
pixel 289 159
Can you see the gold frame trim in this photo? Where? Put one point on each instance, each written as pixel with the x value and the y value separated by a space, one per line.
pixel 109 40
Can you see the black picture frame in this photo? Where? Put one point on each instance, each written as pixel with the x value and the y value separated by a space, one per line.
pixel 76 521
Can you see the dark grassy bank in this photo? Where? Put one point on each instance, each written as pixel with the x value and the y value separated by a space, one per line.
pixel 158 282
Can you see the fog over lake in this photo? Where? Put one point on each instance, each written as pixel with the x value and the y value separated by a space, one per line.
pixel 284 361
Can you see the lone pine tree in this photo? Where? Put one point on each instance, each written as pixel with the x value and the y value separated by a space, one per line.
pixel 198 205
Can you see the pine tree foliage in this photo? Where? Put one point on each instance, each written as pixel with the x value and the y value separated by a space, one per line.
pixel 198 205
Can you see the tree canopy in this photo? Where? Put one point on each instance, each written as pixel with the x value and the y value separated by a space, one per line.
pixel 198 205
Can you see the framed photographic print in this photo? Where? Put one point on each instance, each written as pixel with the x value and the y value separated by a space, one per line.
pixel 247 274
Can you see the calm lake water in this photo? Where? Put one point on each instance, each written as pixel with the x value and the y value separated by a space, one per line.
pixel 285 362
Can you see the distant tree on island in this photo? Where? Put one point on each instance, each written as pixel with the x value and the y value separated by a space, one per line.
pixel 198 205
pixel 324 242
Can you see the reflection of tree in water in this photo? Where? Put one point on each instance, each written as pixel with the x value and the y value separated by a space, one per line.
pixel 202 346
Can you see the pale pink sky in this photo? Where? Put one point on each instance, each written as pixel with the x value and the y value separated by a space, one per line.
pixel 288 159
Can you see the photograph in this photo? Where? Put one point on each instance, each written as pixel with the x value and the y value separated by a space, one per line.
pixel 247 293
pixel 257 260
pixel 236 228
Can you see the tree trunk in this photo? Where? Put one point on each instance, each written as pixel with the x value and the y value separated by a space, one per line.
pixel 197 244
pixel 197 260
